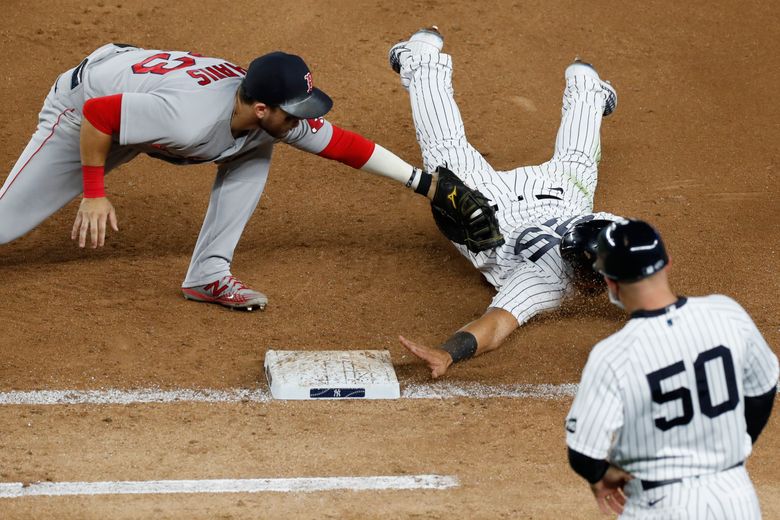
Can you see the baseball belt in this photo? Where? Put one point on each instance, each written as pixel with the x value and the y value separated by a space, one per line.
pixel 647 485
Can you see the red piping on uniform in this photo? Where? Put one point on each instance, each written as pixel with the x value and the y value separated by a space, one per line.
pixel 36 151
pixel 348 147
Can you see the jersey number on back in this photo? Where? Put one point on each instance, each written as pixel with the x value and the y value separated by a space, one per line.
pixel 702 388
pixel 546 241
pixel 162 64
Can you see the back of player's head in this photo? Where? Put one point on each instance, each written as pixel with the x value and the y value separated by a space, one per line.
pixel 629 251
pixel 578 249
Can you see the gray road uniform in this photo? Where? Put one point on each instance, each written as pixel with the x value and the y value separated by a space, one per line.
pixel 176 106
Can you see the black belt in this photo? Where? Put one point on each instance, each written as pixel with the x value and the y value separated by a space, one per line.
pixel 647 485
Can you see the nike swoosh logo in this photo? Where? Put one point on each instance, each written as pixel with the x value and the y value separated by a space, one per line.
pixel 651 503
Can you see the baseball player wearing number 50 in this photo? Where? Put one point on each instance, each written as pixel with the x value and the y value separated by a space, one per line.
pixel 545 212
pixel 183 108
pixel 669 406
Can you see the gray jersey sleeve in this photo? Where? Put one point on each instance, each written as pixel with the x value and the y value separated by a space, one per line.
pixel 597 412
pixel 311 135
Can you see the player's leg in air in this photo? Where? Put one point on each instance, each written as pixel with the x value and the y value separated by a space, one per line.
pixel 427 74
pixel 586 99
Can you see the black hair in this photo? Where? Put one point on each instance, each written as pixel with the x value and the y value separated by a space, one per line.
pixel 247 99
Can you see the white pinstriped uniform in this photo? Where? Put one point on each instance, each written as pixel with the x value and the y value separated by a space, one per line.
pixel 663 399
pixel 536 204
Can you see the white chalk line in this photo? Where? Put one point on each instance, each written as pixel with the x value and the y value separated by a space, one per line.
pixel 238 395
pixel 261 485
pixel 114 396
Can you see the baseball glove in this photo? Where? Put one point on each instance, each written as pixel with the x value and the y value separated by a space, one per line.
pixel 464 215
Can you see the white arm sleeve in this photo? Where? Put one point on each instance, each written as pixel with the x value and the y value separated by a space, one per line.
pixel 387 164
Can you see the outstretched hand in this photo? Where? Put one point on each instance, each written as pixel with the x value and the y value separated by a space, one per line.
pixel 91 218
pixel 438 360
pixel 609 490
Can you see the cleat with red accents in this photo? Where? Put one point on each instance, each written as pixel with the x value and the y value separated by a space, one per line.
pixel 229 292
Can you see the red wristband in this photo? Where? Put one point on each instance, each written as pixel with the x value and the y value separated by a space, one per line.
pixel 93 181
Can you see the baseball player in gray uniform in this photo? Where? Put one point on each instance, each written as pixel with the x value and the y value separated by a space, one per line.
pixel 538 207
pixel 183 108
pixel 669 406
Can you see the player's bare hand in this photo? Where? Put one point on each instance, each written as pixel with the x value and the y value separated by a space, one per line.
pixel 609 490
pixel 91 219
pixel 437 359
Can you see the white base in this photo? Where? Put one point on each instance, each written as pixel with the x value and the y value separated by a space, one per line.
pixel 331 374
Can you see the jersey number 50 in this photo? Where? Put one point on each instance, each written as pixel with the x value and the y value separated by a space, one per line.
pixel 702 388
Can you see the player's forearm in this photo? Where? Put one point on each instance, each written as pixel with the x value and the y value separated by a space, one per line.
pixel 363 154
pixel 385 163
pixel 95 146
pixel 482 335
pixel 491 329
pixel 101 120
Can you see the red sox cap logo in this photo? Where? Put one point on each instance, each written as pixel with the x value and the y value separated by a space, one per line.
pixel 309 82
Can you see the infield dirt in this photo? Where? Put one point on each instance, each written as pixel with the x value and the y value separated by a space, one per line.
pixel 349 261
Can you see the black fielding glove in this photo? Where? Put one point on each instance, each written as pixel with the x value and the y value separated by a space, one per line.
pixel 464 215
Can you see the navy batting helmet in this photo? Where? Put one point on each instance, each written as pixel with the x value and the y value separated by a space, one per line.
pixel 578 249
pixel 630 251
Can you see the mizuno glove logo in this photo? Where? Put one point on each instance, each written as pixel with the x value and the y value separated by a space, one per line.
pixel 452 196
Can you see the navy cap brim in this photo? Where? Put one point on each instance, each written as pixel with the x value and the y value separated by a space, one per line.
pixel 315 105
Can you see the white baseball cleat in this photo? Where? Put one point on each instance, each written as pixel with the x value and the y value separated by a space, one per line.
pixel 425 41
pixel 580 68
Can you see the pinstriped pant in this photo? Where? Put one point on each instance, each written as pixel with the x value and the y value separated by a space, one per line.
pixel 443 142
pixel 727 495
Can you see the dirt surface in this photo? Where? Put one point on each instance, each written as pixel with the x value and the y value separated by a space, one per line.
pixel 350 261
